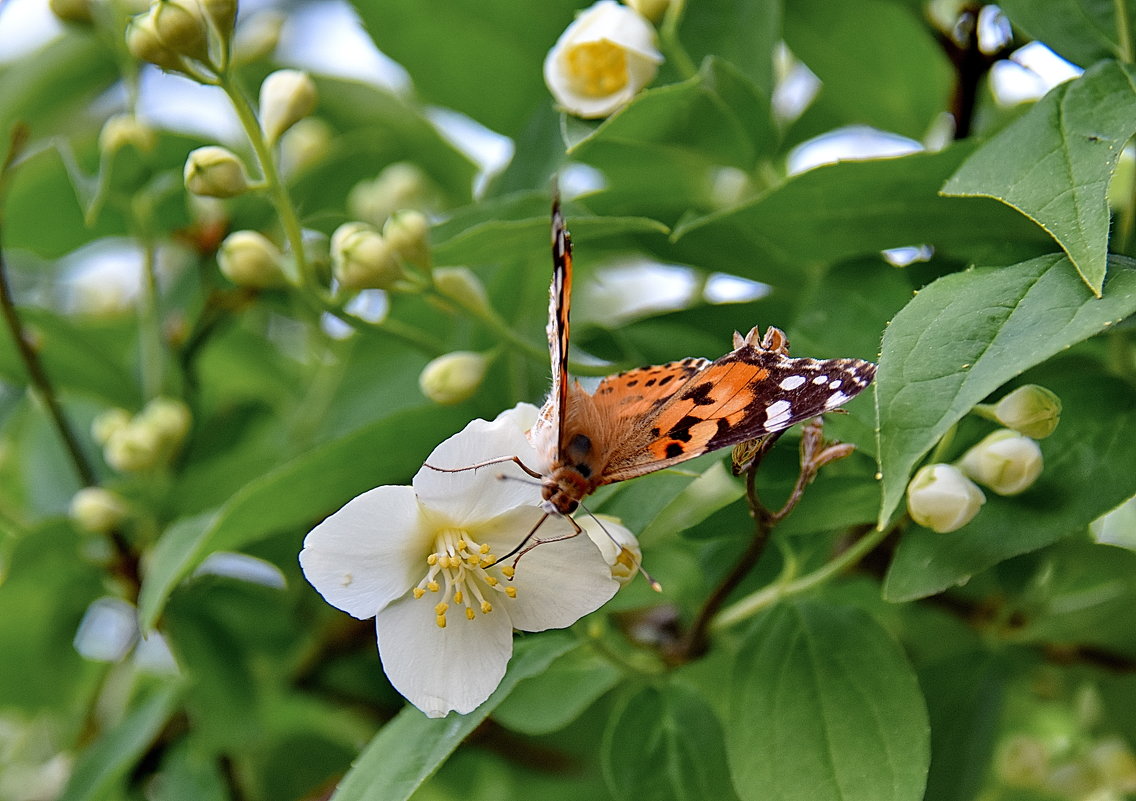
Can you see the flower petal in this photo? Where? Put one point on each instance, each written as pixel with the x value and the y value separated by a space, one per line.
pixel 442 670
pixel 369 553
pixel 559 582
pixel 472 496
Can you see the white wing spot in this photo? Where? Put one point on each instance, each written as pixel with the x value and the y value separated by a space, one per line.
pixel 792 382
pixel 835 384
pixel 835 399
pixel 777 413
pixel 820 379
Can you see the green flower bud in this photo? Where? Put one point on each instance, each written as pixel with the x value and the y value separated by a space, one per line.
pixel 144 44
pixel 286 97
pixel 215 172
pixel 408 232
pixel 76 11
pixel 181 28
pixel 942 499
pixel 362 259
pixel 126 129
pixel 1005 461
pixel 651 9
pixel 108 423
pixel 97 510
pixel 454 377
pixel 249 259
pixel 463 285
pixel 1030 410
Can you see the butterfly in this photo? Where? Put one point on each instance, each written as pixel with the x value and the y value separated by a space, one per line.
pixel 651 418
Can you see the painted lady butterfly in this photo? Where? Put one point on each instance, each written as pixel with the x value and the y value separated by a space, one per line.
pixel 651 418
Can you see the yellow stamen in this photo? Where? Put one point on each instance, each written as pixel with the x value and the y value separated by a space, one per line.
pixel 492 582
pixel 469 612
pixel 441 608
pixel 458 570
pixel 441 621
pixel 511 591
pixel 508 572
pixel 419 592
pixel 432 586
pixel 458 597
pixel 484 547
pixel 598 68
pixel 486 607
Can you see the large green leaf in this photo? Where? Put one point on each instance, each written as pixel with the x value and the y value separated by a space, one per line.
pixel 553 698
pixel 825 708
pixel 747 41
pixel 1081 481
pixel 298 493
pixel 410 748
pixel 665 744
pixel 965 335
pixel 1053 164
pixel 1083 31
pixel 878 63
pixel 853 208
pixel 480 57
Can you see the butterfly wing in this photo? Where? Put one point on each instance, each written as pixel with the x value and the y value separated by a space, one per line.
pixel 547 431
pixel 745 394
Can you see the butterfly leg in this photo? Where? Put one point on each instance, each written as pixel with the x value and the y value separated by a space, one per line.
pixel 531 540
pixel 502 460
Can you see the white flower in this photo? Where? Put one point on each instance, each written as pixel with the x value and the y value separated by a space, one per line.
pixel 601 60
pixel 1005 461
pixel 420 560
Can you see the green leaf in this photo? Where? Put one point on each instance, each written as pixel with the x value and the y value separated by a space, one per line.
pixel 1080 482
pixel 440 41
pixel 410 748
pixel 747 42
pixel 658 153
pixel 1053 164
pixel 968 333
pixel 826 708
pixel 1083 31
pixel 115 753
pixel 698 500
pixel 853 208
pixel 878 63
pixel 665 744
pixel 296 494
pixel 552 699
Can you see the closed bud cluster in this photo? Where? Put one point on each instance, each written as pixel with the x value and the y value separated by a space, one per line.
pixel 942 499
pixel 97 510
pixel 181 27
pixel 146 440
pixel 215 172
pixel 286 97
pixel 1031 410
pixel 1005 461
pixel 401 185
pixel 362 259
pixel 453 377
pixel 250 259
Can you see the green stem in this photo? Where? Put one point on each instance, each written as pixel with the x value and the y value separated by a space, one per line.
pixel 277 192
pixel 149 327
pixel 943 445
pixel 768 596
pixel 1123 30
pixel 668 32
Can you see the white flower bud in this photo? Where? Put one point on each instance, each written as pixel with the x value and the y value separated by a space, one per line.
pixel 401 185
pixel 286 97
pixel 104 426
pixel 942 499
pixel 144 44
pixel 215 172
pixel 181 28
pixel 362 259
pixel 121 130
pixel 1005 461
pixel 97 510
pixel 304 144
pixel 1030 410
pixel 453 377
pixel 248 258
pixel 619 547
pixel 133 449
pixel 463 285
pixel 407 232
pixel 602 60
pixel 169 419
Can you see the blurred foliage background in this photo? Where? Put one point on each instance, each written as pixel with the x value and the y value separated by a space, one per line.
pixel 804 164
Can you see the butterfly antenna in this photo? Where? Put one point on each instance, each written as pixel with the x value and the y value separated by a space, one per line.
pixel 655 585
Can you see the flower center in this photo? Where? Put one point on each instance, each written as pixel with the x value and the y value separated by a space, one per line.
pixel 458 569
pixel 598 68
